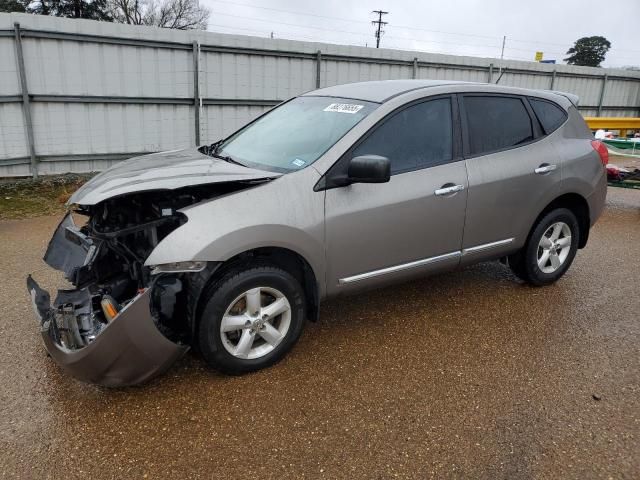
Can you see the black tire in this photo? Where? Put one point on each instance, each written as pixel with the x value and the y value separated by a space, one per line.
pixel 525 262
pixel 220 296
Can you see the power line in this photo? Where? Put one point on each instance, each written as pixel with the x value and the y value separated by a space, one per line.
pixel 361 35
pixel 473 53
pixel 297 36
pixel 380 23
pixel 350 21
pixel 529 50
pixel 351 32
pixel 244 17
pixel 291 12
pixel 276 34
pixel 407 27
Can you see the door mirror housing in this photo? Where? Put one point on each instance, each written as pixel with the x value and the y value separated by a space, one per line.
pixel 361 169
pixel 369 169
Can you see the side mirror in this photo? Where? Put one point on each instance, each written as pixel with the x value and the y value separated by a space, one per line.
pixel 369 169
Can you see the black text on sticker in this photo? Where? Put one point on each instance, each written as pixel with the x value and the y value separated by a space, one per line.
pixel 344 108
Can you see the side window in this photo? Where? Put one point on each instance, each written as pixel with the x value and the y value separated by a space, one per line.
pixel 551 116
pixel 495 123
pixel 419 136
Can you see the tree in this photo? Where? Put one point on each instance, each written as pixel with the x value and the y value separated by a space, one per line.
pixel 177 14
pixel 588 51
pixel 11 6
pixel 91 9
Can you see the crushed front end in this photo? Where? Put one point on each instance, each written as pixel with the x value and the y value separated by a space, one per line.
pixel 123 322
pixel 127 350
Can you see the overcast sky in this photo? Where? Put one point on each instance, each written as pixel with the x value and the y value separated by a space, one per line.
pixel 462 27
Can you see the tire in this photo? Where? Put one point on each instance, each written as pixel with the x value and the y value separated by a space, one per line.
pixel 270 329
pixel 530 263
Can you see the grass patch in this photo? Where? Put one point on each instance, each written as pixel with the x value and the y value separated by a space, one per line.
pixel 26 198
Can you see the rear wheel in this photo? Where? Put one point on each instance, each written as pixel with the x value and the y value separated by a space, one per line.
pixel 252 318
pixel 550 248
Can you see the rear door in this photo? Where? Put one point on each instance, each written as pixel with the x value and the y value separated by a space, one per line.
pixel 385 232
pixel 513 171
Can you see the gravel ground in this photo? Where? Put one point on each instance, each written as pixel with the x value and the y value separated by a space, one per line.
pixel 465 375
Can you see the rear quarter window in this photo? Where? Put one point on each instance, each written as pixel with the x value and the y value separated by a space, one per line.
pixel 550 115
pixel 496 123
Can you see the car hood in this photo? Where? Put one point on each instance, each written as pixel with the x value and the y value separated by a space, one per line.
pixel 163 171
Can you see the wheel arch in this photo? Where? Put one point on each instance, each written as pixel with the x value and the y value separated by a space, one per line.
pixel 281 257
pixel 580 208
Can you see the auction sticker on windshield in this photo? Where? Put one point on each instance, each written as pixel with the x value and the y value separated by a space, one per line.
pixel 344 108
pixel 298 163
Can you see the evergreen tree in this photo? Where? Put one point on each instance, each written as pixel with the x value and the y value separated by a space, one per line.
pixel 588 51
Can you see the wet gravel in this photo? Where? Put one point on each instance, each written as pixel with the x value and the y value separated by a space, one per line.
pixel 465 375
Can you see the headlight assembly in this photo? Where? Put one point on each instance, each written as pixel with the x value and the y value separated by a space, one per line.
pixel 178 267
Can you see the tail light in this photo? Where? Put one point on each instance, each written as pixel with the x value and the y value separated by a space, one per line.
pixel 602 150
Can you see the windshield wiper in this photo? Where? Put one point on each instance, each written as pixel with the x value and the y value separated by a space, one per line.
pixel 227 158
pixel 214 150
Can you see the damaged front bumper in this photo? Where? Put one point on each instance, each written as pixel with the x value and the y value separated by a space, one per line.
pixel 126 350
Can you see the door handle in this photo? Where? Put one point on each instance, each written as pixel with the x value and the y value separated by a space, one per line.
pixel 447 190
pixel 545 168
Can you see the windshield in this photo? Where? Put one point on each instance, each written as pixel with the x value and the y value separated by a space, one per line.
pixel 295 134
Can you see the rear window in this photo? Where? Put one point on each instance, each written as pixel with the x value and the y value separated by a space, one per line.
pixel 496 123
pixel 551 116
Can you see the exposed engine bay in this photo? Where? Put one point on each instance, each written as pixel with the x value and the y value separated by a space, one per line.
pixel 104 260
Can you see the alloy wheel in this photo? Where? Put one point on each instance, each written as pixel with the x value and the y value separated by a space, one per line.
pixel 554 247
pixel 255 322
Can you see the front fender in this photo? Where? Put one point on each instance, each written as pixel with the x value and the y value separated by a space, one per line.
pixel 285 213
pixel 185 245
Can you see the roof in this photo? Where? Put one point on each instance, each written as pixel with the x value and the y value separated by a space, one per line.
pixel 378 91
pixel 382 90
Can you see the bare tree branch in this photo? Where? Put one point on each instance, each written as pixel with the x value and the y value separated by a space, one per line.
pixel 176 14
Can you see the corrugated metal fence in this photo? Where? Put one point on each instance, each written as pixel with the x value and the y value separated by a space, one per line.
pixel 78 95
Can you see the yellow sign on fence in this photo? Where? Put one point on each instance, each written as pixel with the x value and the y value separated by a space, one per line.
pixel 538 56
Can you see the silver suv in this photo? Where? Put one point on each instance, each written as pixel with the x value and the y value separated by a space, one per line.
pixel 230 247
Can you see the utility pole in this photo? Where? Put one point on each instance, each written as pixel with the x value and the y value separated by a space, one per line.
pixel 504 39
pixel 379 24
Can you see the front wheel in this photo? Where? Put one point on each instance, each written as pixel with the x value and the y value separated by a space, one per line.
pixel 550 249
pixel 252 318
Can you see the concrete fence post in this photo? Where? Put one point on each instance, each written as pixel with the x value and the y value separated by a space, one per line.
pixel 414 74
pixel 553 79
pixel 318 67
pixel 490 76
pixel 602 93
pixel 197 102
pixel 26 103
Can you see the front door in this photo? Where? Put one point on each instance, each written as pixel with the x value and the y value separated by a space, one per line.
pixel 382 233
